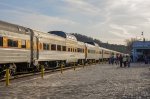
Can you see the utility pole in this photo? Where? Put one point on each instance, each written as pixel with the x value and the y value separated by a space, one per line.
pixel 143 37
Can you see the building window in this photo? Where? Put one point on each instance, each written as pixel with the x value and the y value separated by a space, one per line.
pixel 12 43
pixel 23 44
pixel 45 46
pixel 58 47
pixel 1 41
pixel 53 47
pixel 63 48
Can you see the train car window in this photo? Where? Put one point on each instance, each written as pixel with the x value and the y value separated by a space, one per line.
pixel 71 49
pixel 68 49
pixel 75 50
pixel 63 48
pixel 27 44
pixel 58 47
pixel 100 52
pixel 15 43
pixel 1 41
pixel 23 44
pixel 12 43
pixel 79 50
pixel 53 47
pixel 45 46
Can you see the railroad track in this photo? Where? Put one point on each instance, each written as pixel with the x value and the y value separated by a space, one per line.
pixel 49 71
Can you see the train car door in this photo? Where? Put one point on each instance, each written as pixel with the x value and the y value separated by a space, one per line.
pixel 102 54
pixel 33 47
pixel 86 51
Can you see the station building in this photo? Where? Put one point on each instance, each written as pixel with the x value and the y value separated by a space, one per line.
pixel 140 51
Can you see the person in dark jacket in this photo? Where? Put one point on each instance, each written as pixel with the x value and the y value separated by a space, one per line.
pixel 128 61
pixel 112 59
pixel 121 60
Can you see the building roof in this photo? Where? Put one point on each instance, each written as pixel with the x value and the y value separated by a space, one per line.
pixel 141 44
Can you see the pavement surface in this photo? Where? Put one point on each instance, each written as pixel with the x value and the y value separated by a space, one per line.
pixel 101 81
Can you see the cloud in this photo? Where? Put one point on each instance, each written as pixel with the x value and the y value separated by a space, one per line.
pixel 107 20
pixel 36 20
pixel 82 7
pixel 121 31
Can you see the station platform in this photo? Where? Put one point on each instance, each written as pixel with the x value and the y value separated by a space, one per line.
pixel 101 81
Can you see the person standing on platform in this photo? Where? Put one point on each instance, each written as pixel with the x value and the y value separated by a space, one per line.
pixel 125 60
pixel 128 60
pixel 121 60
pixel 117 60
pixel 112 60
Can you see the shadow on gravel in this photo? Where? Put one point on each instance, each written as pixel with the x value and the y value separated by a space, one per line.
pixel 144 94
pixel 146 75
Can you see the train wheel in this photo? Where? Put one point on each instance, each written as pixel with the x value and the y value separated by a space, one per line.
pixel 2 71
pixel 13 69
pixel 63 63
pixel 46 65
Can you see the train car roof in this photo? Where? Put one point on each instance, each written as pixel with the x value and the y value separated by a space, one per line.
pixel 64 35
pixel 104 48
pixel 72 37
pixel 58 33
pixel 13 27
pixel 45 34
pixel 92 43
pixel 81 43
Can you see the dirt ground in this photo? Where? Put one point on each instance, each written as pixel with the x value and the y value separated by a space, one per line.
pixel 101 81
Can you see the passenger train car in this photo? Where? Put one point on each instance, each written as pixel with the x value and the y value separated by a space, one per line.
pixel 25 49
pixel 92 52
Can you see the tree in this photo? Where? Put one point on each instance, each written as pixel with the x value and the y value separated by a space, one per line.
pixel 129 43
pixel 84 38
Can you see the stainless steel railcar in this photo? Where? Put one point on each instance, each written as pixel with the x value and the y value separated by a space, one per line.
pixel 15 44
pixel 22 49
pixel 58 49
pixel 51 50
pixel 92 52
pixel 75 50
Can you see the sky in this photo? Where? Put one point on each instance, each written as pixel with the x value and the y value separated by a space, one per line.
pixel 111 21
